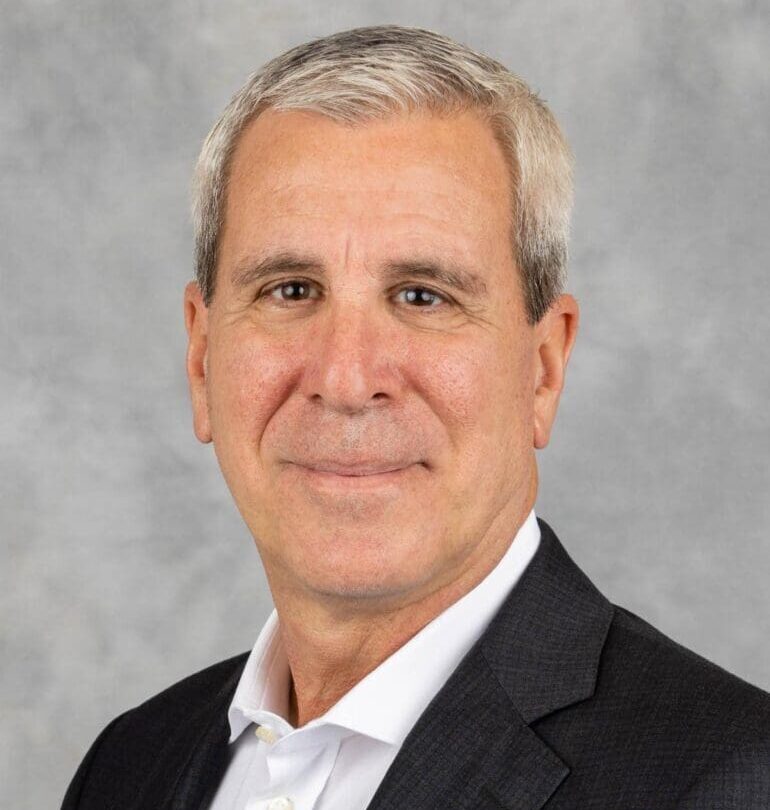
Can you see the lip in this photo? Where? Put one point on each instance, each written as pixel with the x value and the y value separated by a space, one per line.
pixel 355 470
pixel 356 477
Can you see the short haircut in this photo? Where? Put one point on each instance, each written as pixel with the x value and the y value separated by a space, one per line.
pixel 374 72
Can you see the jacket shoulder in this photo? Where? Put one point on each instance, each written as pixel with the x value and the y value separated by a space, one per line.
pixel 190 693
pixel 132 742
pixel 664 673
pixel 178 703
pixel 707 728
pixel 664 727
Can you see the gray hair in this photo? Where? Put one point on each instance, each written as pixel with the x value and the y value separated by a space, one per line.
pixel 373 72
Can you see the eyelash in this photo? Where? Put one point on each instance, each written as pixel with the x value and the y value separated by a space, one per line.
pixel 298 281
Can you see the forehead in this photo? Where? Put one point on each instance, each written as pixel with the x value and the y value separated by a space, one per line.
pixel 406 179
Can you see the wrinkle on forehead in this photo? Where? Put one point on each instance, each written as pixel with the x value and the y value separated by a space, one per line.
pixel 295 149
pixel 418 191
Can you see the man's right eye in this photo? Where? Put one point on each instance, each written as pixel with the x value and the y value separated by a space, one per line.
pixel 287 291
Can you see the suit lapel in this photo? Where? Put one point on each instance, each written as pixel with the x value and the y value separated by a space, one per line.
pixel 474 747
pixel 469 748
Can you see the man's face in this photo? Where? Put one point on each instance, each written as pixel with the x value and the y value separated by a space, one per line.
pixel 368 316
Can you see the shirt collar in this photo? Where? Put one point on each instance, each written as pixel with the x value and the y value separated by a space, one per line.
pixel 264 683
pixel 387 702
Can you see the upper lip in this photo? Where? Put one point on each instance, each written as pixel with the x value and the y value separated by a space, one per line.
pixel 360 468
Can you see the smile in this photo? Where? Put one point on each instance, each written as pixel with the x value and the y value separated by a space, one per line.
pixel 354 480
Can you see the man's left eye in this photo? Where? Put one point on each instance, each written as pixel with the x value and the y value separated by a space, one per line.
pixel 422 297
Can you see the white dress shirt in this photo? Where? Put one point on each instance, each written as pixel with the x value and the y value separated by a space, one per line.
pixel 339 759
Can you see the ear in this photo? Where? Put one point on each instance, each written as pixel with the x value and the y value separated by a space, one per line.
pixel 555 335
pixel 196 321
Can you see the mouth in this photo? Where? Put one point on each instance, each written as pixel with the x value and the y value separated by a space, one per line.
pixel 357 470
pixel 357 477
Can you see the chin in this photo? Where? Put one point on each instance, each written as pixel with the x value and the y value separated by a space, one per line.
pixel 358 560
pixel 364 580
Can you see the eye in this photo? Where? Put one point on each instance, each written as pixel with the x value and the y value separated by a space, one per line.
pixel 423 297
pixel 295 290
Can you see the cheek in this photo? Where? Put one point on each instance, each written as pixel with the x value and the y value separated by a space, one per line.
pixel 456 384
pixel 248 379
pixel 481 392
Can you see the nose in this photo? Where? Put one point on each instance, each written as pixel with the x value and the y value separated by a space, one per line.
pixel 353 360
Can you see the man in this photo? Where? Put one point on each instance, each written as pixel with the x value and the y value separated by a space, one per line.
pixel 378 338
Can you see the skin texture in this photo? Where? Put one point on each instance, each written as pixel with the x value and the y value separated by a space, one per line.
pixel 338 360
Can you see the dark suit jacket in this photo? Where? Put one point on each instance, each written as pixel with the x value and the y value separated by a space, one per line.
pixel 566 701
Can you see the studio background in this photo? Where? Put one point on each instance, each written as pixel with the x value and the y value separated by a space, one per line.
pixel 126 564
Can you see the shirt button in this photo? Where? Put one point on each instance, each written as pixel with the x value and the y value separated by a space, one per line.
pixel 269 736
pixel 278 803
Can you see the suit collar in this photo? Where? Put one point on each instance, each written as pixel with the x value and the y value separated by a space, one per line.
pixel 473 746
pixel 544 645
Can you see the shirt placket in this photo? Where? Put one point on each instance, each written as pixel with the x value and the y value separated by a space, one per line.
pixel 299 768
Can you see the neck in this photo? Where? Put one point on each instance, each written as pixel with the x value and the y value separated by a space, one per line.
pixel 330 649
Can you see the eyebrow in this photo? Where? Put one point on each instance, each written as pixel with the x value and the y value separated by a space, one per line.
pixel 250 271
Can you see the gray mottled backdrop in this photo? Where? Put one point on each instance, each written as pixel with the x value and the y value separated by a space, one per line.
pixel 125 563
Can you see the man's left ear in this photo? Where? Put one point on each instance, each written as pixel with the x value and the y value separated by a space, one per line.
pixel 555 335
